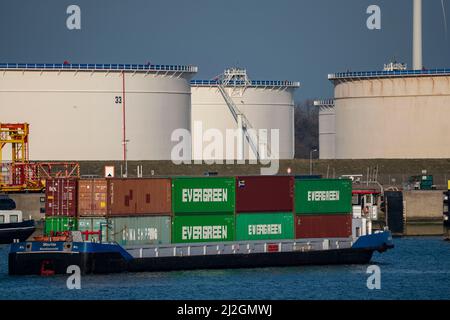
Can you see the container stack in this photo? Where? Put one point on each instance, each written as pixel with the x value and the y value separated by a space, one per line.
pixel 60 205
pixel 264 208
pixel 139 211
pixel 155 211
pixel 203 209
pixel 323 208
pixel 92 209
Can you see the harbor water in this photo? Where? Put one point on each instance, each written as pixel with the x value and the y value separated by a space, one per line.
pixel 417 268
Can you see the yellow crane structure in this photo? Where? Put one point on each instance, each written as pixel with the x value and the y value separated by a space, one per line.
pixel 15 134
pixel 19 174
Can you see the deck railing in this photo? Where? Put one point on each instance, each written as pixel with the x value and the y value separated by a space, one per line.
pixel 178 250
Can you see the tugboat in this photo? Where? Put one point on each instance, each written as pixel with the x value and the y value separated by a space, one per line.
pixel 13 227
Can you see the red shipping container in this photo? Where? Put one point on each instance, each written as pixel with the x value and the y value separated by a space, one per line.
pixel 142 196
pixel 323 226
pixel 264 193
pixel 61 197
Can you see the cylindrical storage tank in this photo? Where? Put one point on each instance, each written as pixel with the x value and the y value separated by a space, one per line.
pixel 327 132
pixel 266 104
pixel 75 111
pixel 392 114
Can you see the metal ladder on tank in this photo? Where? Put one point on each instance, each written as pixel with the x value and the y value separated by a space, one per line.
pixel 243 123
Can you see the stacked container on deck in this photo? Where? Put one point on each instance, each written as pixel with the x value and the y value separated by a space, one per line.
pixel 200 209
pixel 203 209
pixel 60 205
pixel 139 211
pixel 264 207
pixel 92 208
pixel 323 208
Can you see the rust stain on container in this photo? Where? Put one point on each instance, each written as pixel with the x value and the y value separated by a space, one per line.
pixel 92 197
pixel 61 197
pixel 323 226
pixel 264 193
pixel 128 197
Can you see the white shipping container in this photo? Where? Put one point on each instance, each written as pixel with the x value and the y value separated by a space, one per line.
pixel 357 211
pixel 359 227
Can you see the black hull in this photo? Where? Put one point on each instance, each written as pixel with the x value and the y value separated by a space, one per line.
pixel 23 263
pixel 11 231
pixel 254 260
pixel 100 262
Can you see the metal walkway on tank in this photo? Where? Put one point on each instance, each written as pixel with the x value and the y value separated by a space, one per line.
pixel 253 83
pixel 90 66
pixel 388 74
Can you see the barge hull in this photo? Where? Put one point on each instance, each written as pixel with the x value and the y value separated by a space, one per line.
pixel 31 257
pixel 31 264
pixel 113 262
pixel 253 260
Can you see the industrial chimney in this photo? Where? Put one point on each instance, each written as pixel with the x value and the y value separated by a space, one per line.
pixel 417 35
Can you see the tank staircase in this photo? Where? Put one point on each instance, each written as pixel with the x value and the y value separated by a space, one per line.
pixel 238 78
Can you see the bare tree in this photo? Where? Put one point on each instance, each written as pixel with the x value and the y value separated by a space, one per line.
pixel 306 128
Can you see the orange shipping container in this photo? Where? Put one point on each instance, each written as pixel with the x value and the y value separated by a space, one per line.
pixel 130 197
pixel 92 197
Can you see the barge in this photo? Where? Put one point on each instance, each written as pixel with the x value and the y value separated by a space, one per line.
pixel 54 257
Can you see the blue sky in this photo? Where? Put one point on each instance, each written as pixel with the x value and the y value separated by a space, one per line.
pixel 300 40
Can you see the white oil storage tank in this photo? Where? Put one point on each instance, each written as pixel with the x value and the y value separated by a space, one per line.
pixel 327 128
pixel 91 111
pixel 393 114
pixel 233 102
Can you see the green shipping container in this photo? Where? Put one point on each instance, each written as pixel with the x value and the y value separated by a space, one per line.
pixel 142 230
pixel 323 196
pixel 60 224
pixel 203 195
pixel 264 226
pixel 92 224
pixel 203 228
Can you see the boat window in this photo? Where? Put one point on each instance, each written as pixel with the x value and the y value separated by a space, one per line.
pixel 13 218
pixel 2 219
